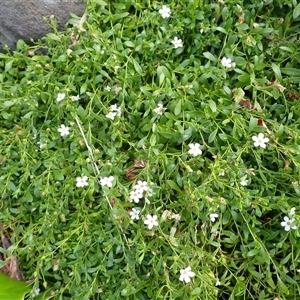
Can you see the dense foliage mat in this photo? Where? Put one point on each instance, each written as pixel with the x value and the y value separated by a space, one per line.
pixel 153 152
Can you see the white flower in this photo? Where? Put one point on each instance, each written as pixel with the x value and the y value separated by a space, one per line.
pixel 114 111
pixel 82 181
pixel 260 140
pixel 176 217
pixel 141 186
pixel 35 292
pixel 213 217
pixel 150 192
pixel 111 115
pixel 227 63
pixel 135 196
pixel 177 42
pixel 165 11
pixel 60 97
pixel 243 181
pixel 195 149
pixel 218 283
pixel 75 98
pixel 135 214
pixel 222 173
pixel 41 144
pixel 107 181
pixel 113 107
pixel 159 109
pixel 64 130
pixel 292 211
pixel 107 88
pixel 117 90
pixel 166 214
pixel 186 275
pixel 288 223
pixel 151 221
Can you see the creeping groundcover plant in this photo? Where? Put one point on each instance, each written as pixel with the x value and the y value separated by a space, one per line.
pixel 152 151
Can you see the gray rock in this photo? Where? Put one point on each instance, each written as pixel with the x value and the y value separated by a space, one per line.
pixel 23 19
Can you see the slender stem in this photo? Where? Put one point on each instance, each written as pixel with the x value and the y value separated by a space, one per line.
pixel 96 170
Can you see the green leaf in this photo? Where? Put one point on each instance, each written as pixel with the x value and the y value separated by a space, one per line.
pixel 282 287
pixel 100 2
pixel 212 136
pixel 174 186
pixel 120 16
pixel 137 67
pixel 161 79
pixel 252 252
pixel 177 109
pixel 153 140
pixel 239 95
pixel 291 71
pixel 242 27
pixel 265 256
pixel 53 37
pixel 43 296
pixel 244 78
pixel 209 56
pixel 187 134
pixel 4 56
pixel 296 12
pixel 83 88
pixel 221 29
pixel 129 44
pixel 8 103
pixel 252 124
pixel 58 175
pixel 271 283
pixel 240 61
pixel 163 70
pixel 284 48
pixel 28 196
pixel 277 72
pixel 212 105
pixel 8 65
pixel 196 291
pixel 280 130
pixel 27 116
pixel 11 289
pixel 81 112
pixel 119 5
pixel 259 66
pixel 232 139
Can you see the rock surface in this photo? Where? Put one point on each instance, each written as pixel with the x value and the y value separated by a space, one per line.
pixel 23 19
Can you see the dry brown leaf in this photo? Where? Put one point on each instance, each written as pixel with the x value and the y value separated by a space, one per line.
pixel 113 201
pixel 246 103
pixel 261 122
pixel 286 164
pixel 11 267
pixel 293 96
pixel 129 173
pixel 276 84
pixel 81 22
pixel 73 39
pixel 138 164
